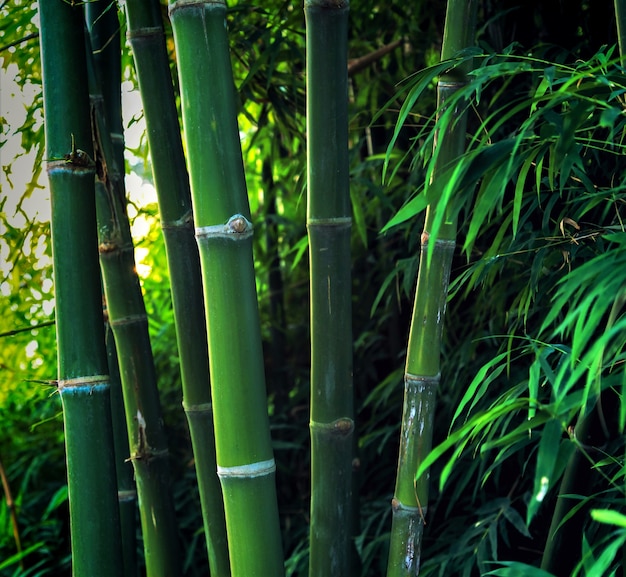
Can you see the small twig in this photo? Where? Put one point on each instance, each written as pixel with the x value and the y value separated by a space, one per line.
pixel 12 512
pixel 357 64
pixel 26 329
pixel 19 41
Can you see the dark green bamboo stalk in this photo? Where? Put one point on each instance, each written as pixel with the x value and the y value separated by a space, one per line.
pixel 147 39
pixel 224 233
pixel 128 320
pixel 329 223
pixel 83 382
pixel 103 26
pixel 410 501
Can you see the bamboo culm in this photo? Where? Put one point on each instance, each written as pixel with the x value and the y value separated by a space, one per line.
pixel 245 461
pixel 83 382
pixel 329 226
pixel 422 373
pixel 129 323
pixel 104 33
pixel 147 40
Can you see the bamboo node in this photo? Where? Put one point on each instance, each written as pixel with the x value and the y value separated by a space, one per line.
pixel 90 382
pixel 342 427
pixel 238 224
pixel 238 227
pixel 258 469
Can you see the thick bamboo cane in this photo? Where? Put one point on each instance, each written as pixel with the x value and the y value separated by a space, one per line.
pixel 147 40
pixel 410 501
pixel 224 232
pixel 82 366
pixel 129 322
pixel 329 224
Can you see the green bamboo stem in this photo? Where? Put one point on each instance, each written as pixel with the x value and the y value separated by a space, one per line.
pixel 224 233
pixel 422 374
pixel 620 19
pixel 147 40
pixel 329 224
pixel 82 366
pixel 128 320
pixel 103 27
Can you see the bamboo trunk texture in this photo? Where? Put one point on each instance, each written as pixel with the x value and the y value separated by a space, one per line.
pixel 147 40
pixel 329 226
pixel 245 460
pixel 129 323
pixel 83 382
pixel 104 33
pixel 422 376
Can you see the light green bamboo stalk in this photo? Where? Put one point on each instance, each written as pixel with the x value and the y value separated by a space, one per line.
pixel 329 223
pixel 147 39
pixel 103 26
pixel 410 501
pixel 128 320
pixel 224 232
pixel 83 382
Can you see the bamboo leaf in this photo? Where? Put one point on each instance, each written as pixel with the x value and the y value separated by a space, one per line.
pixel 479 385
pixel 517 569
pixel 609 516
pixel 546 459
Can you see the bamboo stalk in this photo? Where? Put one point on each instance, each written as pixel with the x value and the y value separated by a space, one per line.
pixel 103 26
pixel 224 233
pixel 147 40
pixel 620 19
pixel 422 373
pixel 329 224
pixel 82 366
pixel 128 320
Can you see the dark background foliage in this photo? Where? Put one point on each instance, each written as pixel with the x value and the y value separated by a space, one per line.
pixel 476 517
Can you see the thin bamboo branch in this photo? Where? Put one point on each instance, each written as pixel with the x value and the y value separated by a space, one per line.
pixel 129 322
pixel 356 65
pixel 104 33
pixel 8 496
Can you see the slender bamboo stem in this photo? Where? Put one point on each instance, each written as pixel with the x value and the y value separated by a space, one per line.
pixel 103 26
pixel 82 366
pixel 329 224
pixel 620 19
pixel 224 233
pixel 128 320
pixel 147 40
pixel 410 501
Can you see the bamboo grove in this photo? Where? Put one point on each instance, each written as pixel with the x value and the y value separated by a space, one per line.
pixel 502 188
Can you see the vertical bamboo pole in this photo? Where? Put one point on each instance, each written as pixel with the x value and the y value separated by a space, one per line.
pixel 245 459
pixel 82 367
pixel 104 32
pixel 147 40
pixel 129 322
pixel 410 501
pixel 329 224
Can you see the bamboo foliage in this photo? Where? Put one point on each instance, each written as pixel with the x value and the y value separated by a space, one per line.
pixel 129 323
pixel 329 225
pixel 422 375
pixel 245 461
pixel 83 382
pixel 146 36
